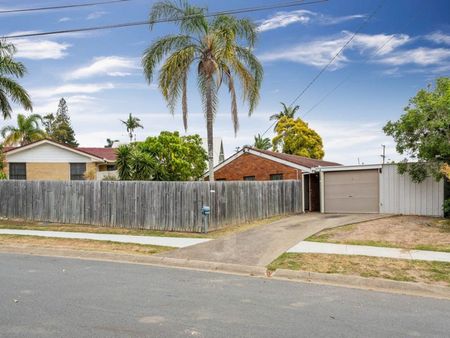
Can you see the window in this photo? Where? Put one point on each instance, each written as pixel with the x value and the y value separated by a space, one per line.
pixel 110 167
pixel 221 179
pixel 77 171
pixel 276 177
pixel 249 178
pixel 17 171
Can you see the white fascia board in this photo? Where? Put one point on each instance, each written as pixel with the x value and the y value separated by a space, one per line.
pixel 347 168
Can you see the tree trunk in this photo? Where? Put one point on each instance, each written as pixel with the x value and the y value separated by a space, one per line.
pixel 209 130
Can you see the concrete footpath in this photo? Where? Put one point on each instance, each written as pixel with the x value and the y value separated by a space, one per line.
pixel 261 245
pixel 362 250
pixel 175 242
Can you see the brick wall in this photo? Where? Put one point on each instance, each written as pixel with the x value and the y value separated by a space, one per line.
pixel 252 165
pixel 48 171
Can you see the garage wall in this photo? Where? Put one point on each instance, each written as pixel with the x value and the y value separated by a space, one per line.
pixel 399 195
pixel 355 191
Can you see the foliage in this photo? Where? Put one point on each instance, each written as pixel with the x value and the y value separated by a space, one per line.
pixel 423 132
pixel 58 127
pixel 446 207
pixel 10 70
pixel 288 111
pixel 220 49
pixel 110 177
pixel 131 124
pixel 90 174
pixel 262 143
pixel 110 142
pixel 3 176
pixel 28 130
pixel 167 157
pixel 296 138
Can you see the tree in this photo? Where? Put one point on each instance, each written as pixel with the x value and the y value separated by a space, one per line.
pixel 423 132
pixel 288 111
pixel 110 142
pixel 213 48
pixel 28 130
pixel 58 126
pixel 132 123
pixel 296 138
pixel 262 143
pixel 9 88
pixel 167 157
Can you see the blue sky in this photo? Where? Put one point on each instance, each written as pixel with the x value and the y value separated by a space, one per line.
pixel 99 73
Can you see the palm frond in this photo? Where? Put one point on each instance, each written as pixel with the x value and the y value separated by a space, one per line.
pixel 16 92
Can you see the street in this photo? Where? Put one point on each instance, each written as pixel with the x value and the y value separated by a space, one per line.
pixel 58 297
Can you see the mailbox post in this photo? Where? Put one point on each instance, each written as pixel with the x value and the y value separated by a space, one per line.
pixel 206 211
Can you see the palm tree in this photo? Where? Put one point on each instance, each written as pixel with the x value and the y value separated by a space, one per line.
pixel 132 123
pixel 9 88
pixel 28 130
pixel 212 46
pixel 110 142
pixel 288 111
pixel 262 143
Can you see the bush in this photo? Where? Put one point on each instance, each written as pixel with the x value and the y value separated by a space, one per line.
pixel 110 177
pixel 447 207
pixel 3 176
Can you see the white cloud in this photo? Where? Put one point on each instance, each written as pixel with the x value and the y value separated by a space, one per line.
pixel 82 88
pixel 108 65
pixel 319 52
pixel 420 56
pixel 439 37
pixel 283 19
pixel 38 48
pixel 64 19
pixel 95 15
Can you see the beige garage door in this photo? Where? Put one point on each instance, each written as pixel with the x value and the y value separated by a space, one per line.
pixel 352 191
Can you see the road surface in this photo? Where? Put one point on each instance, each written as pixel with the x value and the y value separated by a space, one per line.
pixel 58 297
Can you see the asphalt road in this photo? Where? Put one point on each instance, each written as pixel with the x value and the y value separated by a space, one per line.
pixel 56 297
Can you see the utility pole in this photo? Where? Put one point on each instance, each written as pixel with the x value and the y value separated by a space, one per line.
pixel 383 156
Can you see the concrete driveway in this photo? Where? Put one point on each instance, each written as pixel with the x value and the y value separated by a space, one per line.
pixel 261 245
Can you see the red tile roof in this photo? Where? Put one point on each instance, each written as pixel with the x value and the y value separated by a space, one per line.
pixel 106 153
pixel 300 160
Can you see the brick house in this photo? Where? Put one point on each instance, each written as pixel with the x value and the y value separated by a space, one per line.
pixel 49 160
pixel 250 164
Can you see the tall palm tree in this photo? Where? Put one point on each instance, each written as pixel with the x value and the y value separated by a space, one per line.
pixel 213 47
pixel 132 123
pixel 262 143
pixel 9 88
pixel 288 111
pixel 28 130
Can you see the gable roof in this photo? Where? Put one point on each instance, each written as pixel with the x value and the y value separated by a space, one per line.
pixel 304 164
pixel 99 154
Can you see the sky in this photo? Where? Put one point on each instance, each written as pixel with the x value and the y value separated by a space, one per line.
pixel 404 47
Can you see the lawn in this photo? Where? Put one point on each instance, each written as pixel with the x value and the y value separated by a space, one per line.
pixel 81 244
pixel 406 232
pixel 437 273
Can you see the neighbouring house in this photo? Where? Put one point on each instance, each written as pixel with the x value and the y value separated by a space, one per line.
pixel 49 160
pixel 219 155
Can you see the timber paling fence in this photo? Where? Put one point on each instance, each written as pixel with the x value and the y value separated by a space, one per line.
pixel 171 206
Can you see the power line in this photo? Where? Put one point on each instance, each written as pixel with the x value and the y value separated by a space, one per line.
pixel 377 51
pixel 36 9
pixel 147 22
pixel 381 3
pixel 340 51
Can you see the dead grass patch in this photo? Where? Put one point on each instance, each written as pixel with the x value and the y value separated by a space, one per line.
pixel 437 273
pixel 408 232
pixel 81 244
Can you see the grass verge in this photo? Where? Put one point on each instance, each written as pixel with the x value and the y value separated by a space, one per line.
pixel 394 269
pixel 81 244
pixel 27 225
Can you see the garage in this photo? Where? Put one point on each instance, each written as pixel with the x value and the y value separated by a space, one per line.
pixel 351 191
